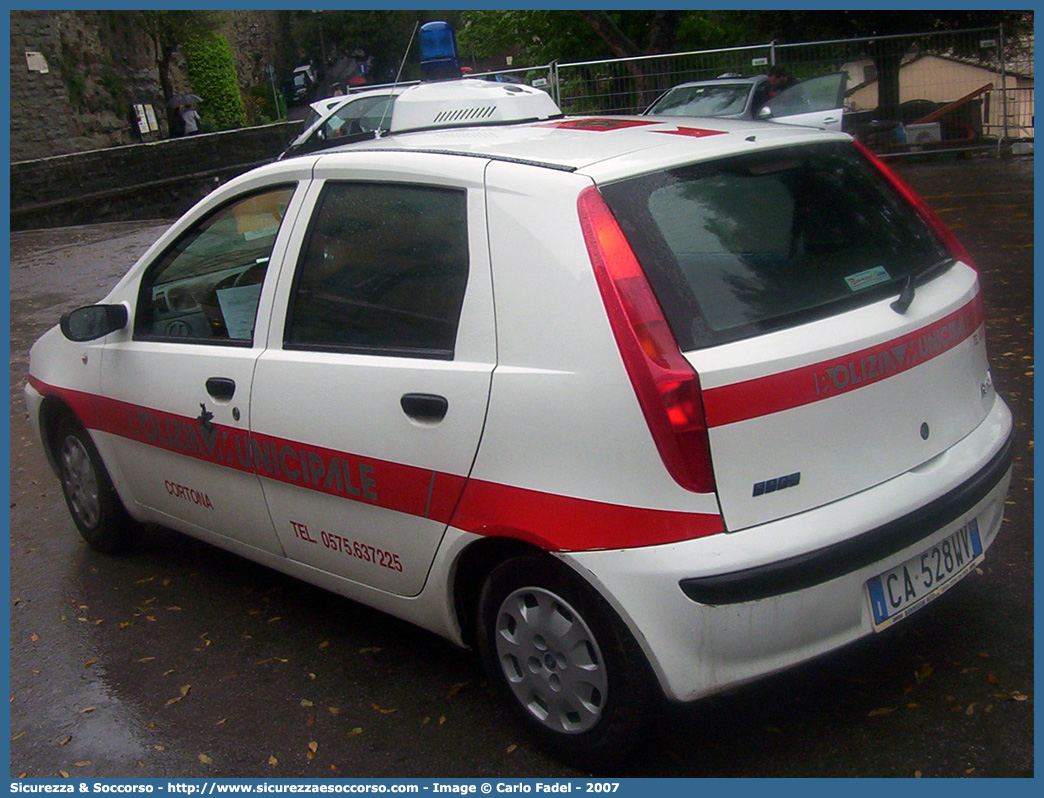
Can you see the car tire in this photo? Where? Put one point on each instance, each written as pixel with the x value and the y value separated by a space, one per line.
pixel 94 505
pixel 563 659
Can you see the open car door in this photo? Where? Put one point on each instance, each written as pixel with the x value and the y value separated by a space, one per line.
pixel 816 102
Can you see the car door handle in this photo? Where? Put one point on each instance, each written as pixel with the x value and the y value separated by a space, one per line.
pixel 221 387
pixel 424 406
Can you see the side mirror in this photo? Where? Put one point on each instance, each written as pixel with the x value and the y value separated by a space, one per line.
pixel 764 112
pixel 93 322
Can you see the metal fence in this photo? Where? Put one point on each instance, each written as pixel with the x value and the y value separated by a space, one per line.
pixel 952 89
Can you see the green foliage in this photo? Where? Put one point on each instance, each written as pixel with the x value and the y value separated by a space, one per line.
pixel 535 37
pixel 212 75
pixel 260 105
pixel 112 83
pixel 170 29
pixel 72 76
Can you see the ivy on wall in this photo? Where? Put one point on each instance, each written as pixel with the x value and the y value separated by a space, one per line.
pixel 212 75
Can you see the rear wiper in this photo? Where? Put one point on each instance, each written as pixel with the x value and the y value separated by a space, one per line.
pixel 906 296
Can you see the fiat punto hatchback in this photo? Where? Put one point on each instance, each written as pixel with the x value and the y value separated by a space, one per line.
pixel 635 407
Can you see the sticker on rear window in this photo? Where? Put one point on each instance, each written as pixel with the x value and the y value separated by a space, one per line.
pixel 861 280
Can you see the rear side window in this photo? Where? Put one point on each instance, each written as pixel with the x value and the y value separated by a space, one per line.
pixel 383 271
pixel 754 243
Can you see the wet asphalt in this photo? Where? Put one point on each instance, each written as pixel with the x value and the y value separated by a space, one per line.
pixel 180 660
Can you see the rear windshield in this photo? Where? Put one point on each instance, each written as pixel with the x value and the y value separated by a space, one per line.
pixel 749 244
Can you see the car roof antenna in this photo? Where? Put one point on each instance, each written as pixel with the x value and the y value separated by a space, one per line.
pixel 380 125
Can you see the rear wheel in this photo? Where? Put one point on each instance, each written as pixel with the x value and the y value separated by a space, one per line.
pixel 564 660
pixel 95 507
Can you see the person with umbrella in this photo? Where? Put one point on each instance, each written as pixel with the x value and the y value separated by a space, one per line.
pixel 185 107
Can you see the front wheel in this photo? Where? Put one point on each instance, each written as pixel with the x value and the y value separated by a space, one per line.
pixel 564 660
pixel 93 503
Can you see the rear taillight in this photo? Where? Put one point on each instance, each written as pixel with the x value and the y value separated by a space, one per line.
pixel 948 239
pixel 667 387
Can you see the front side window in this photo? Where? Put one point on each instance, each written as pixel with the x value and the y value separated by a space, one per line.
pixel 383 271
pixel 763 241
pixel 206 287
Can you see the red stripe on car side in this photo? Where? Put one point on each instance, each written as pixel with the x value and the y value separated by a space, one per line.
pixel 762 396
pixel 565 523
pixel 561 523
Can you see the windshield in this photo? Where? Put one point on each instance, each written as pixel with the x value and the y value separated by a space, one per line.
pixel 718 99
pixel 759 242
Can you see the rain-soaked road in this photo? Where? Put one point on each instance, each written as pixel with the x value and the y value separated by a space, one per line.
pixel 182 660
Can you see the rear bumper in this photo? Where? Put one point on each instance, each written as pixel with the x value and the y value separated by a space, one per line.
pixel 831 562
pixel 719 611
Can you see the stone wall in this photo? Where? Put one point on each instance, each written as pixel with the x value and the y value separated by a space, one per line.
pixel 139 181
pixel 99 64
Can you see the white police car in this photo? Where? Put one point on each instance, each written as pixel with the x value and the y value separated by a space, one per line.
pixel 634 406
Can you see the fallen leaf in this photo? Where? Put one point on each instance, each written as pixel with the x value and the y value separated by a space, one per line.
pixel 185 689
pixel 991 678
pixel 89 662
pixel 923 671
pixel 273 761
pixel 373 650
pixel 221 722
pixel 143 581
pixel 311 676
pixel 511 748
pixel 442 719
pixel 276 618
pixel 34 637
pixel 65 739
pixel 882 711
pixel 334 710
pixel 159 748
pixel 971 709
pixel 324 644
pixel 381 709
pixel 168 673
pixel 917 774
pixel 82 763
pixel 206 760
pixel 86 710
pixel 1017 696
pixel 306 703
pixel 63 774
pixel 355 731
pixel 456 689
pixel 145 659
pixel 19 735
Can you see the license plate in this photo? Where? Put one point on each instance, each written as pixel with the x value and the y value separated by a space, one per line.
pixel 903 590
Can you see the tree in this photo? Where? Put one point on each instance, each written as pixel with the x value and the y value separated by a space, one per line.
pixel 539 37
pixel 825 25
pixel 169 30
